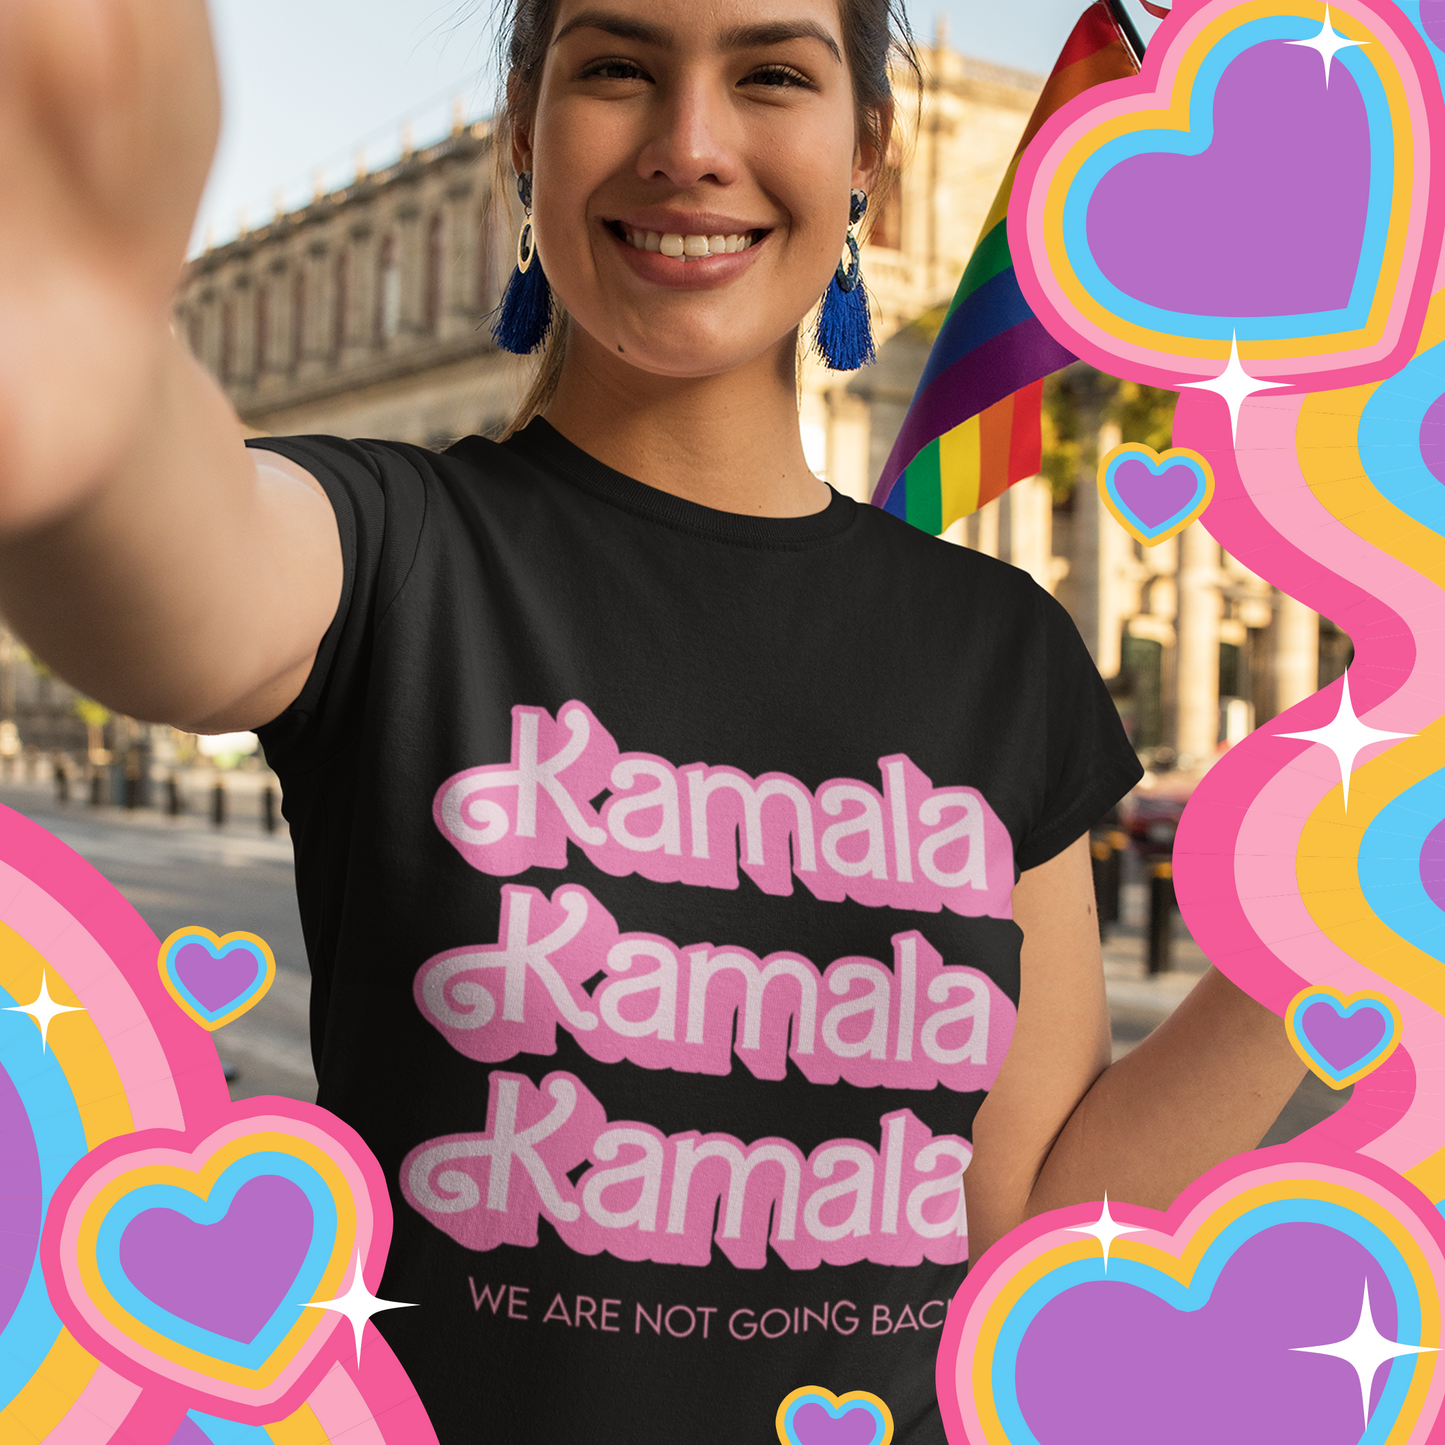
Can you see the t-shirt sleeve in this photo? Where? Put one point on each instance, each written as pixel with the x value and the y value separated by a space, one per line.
pixel 1089 763
pixel 377 493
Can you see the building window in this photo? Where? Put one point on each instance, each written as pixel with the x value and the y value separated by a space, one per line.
pixel 388 292
pixel 1337 652
pixel 1233 676
pixel 228 341
pixel 263 328
pixel 341 302
pixel 435 259
pixel 298 319
pixel 486 259
pixel 1143 667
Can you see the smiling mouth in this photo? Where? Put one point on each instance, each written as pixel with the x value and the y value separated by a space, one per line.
pixel 684 248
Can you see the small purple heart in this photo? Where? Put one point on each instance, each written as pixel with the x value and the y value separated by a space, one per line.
pixel 215 982
pixel 1155 497
pixel 228 1277
pixel 1342 1041
pixel 815 1424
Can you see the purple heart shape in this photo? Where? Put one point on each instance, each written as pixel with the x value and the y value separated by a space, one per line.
pixel 189 1433
pixel 1154 497
pixel 1109 1363
pixel 1432 855
pixel 228 1277
pixel 1432 18
pixel 215 982
pixel 815 1424
pixel 1342 1041
pixel 1269 220
pixel 1432 435
pixel 21 1199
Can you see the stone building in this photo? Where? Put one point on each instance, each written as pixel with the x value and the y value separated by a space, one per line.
pixel 363 314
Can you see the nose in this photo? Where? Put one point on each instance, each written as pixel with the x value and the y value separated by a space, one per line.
pixel 693 135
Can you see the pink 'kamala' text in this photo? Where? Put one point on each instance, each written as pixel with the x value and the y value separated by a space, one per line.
pixel 647 1195
pixel 908 845
pixel 915 1025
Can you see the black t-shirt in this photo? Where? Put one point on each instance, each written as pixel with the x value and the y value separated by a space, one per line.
pixel 655 868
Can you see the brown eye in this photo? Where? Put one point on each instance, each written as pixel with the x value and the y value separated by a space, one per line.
pixel 781 75
pixel 613 69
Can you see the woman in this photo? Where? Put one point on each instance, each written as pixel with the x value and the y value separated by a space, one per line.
pixel 665 1141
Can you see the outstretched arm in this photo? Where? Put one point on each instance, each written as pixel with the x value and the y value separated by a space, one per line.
pixel 1062 1126
pixel 144 552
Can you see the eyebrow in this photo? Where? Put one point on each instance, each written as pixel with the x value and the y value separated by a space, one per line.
pixel 740 37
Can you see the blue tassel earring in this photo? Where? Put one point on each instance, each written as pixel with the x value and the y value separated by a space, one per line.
pixel 525 315
pixel 844 336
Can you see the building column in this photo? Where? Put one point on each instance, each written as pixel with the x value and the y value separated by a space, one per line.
pixel 1105 572
pixel 1200 604
pixel 1296 652
pixel 1026 529
pixel 984 529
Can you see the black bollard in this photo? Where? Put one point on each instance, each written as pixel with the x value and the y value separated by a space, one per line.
pixel 174 805
pixel 62 783
pixel 1161 915
pixel 97 787
pixel 268 808
pixel 1101 854
pixel 218 804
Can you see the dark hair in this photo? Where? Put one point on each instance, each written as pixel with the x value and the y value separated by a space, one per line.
pixel 876 35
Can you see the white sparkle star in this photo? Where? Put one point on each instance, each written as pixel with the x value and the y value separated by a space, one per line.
pixel 358 1304
pixel 43 1010
pixel 1234 383
pixel 1365 1350
pixel 1329 42
pixel 1106 1230
pixel 1346 737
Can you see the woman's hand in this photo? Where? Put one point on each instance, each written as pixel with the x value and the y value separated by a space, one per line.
pixel 1061 1126
pixel 108 118
pixel 145 553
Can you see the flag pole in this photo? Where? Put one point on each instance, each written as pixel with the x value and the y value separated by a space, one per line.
pixel 1128 29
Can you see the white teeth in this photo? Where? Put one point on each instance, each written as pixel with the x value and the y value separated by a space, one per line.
pixel 687 248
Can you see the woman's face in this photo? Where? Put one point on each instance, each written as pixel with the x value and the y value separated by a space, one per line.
pixel 725 128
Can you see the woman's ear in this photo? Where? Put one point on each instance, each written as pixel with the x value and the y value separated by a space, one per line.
pixel 520 127
pixel 872 149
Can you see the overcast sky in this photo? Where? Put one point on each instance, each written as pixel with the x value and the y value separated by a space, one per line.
pixel 307 82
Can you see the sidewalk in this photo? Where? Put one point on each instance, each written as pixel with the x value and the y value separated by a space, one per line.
pixel 109 832
pixel 1138 1002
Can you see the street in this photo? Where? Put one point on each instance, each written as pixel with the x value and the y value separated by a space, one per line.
pixel 178 871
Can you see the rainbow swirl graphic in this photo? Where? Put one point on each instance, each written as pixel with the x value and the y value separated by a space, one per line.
pixel 1310 862
pixel 116 1129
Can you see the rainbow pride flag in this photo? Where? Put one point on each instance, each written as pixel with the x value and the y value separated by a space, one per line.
pixel 974 427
